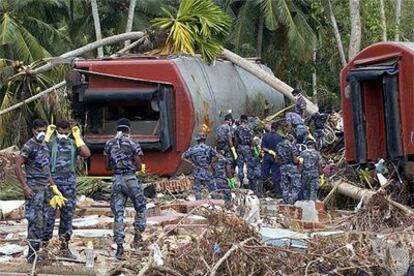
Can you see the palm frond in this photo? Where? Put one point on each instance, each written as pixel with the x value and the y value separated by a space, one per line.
pixel 269 8
pixel 7 29
pixel 244 27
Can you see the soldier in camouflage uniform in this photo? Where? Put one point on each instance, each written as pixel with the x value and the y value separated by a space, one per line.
pixel 224 135
pixel 222 175
pixel 311 160
pixel 64 153
pixel 300 102
pixel 319 119
pixel 290 179
pixel 297 126
pixel 201 156
pixel 35 157
pixel 244 138
pixel 123 156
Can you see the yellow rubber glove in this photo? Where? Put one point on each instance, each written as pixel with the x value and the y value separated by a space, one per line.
pixel 76 133
pixel 272 153
pixel 49 132
pixel 322 180
pixel 233 151
pixel 58 201
pixel 300 159
pixel 143 168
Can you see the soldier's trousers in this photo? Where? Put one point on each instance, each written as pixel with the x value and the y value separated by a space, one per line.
pixel 254 171
pixel 244 153
pixel 222 186
pixel 270 166
pixel 198 186
pixel 124 187
pixel 290 183
pixel 67 186
pixel 300 133
pixel 310 184
pixel 34 211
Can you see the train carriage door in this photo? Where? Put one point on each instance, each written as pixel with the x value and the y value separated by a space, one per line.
pixel 375 110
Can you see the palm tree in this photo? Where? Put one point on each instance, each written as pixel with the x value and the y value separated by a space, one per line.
pixel 29 29
pixel 198 25
pixel 97 25
pixel 285 20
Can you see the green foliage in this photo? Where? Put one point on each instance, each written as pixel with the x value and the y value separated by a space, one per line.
pixel 197 25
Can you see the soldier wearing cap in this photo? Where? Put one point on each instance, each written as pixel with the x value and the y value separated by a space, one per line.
pixel 123 156
pixel 201 157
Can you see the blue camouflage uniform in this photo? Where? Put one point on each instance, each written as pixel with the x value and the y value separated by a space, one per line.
pixel 310 173
pixel 224 132
pixel 37 158
pixel 244 136
pixel 300 105
pixel 220 178
pixel 290 178
pixel 125 184
pixel 270 141
pixel 201 155
pixel 298 125
pixel 63 169
pixel 319 120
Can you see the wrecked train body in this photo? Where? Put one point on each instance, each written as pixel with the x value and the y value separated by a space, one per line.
pixel 168 100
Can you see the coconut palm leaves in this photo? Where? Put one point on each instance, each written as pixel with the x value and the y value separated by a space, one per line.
pixel 284 19
pixel 196 26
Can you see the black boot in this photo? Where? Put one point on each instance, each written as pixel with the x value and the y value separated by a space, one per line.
pixel 119 252
pixel 64 249
pixel 138 241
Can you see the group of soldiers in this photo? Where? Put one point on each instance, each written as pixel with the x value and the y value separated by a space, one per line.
pixel 292 160
pixel 50 160
pixel 49 183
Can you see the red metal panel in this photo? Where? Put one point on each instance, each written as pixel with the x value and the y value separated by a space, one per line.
pixel 374 119
pixel 163 163
pixel 377 53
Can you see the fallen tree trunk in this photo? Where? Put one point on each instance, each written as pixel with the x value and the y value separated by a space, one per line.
pixel 264 76
pixel 84 49
pixel 358 193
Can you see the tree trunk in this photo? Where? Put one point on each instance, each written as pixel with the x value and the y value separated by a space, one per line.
pixel 259 42
pixel 130 21
pixel 314 84
pixel 355 41
pixel 337 35
pixel 97 24
pixel 264 76
pixel 84 49
pixel 31 99
pixel 383 20
pixel 397 19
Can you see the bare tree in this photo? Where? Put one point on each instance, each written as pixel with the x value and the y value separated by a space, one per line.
pixel 97 24
pixel 398 4
pixel 355 40
pixel 314 77
pixel 383 20
pixel 259 42
pixel 130 21
pixel 337 35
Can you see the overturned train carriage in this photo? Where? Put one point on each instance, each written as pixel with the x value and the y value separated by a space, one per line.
pixel 167 100
pixel 377 90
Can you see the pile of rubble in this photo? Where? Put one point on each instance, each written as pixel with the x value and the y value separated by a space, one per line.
pixel 202 237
